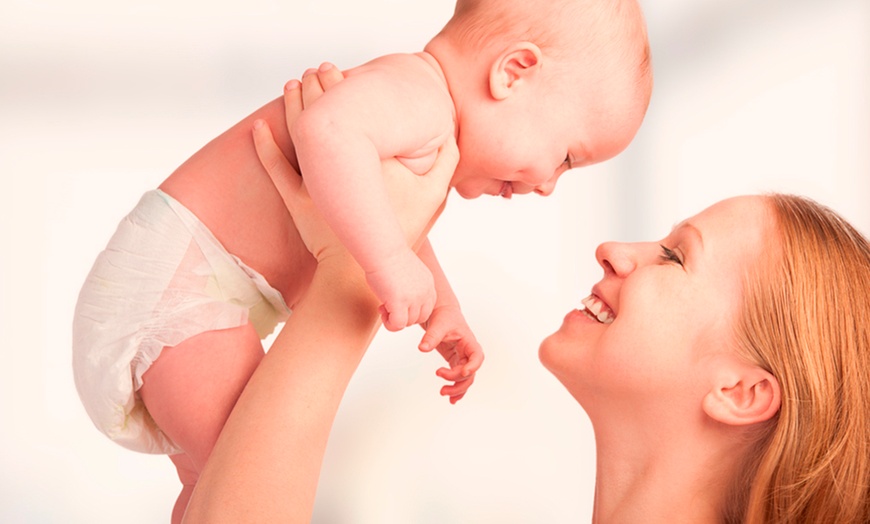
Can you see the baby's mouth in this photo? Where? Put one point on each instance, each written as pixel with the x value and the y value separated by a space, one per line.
pixel 596 309
pixel 507 189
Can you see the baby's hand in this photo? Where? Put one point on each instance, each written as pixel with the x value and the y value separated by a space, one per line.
pixel 406 289
pixel 447 331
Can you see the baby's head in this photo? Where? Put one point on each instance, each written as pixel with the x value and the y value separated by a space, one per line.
pixel 542 86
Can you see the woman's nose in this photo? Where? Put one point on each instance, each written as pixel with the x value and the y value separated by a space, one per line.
pixel 617 258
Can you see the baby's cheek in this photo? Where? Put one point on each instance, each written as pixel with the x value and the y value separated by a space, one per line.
pixel 467 190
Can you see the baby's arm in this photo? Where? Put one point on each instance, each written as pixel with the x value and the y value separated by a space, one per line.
pixel 448 332
pixel 391 107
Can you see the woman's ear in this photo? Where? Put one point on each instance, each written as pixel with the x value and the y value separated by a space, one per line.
pixel 743 394
pixel 515 64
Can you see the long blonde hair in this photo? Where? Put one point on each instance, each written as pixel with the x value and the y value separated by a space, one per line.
pixel 806 319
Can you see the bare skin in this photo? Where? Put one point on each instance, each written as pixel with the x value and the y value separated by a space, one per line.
pixel 222 183
pixel 225 185
pixel 266 463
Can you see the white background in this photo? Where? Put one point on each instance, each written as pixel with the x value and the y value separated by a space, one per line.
pixel 100 101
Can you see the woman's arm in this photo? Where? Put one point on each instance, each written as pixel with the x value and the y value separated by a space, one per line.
pixel 393 106
pixel 266 463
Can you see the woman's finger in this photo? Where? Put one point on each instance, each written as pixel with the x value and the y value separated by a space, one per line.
pixel 286 180
pixel 316 81
pixel 292 100
pixel 311 87
pixel 329 75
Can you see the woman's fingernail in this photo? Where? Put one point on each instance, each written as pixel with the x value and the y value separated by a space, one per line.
pixel 258 123
pixel 325 66
pixel 292 84
pixel 309 71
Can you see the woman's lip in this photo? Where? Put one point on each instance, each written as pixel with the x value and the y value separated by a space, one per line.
pixel 579 315
pixel 596 292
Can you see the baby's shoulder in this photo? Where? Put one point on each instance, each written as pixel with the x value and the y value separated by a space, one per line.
pixel 417 69
pixel 400 61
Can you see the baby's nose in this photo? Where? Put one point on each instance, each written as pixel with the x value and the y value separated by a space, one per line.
pixel 546 189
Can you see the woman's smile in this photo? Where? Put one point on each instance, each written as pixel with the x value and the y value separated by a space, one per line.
pixel 597 309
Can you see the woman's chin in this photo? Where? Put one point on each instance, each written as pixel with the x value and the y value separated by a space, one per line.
pixel 556 352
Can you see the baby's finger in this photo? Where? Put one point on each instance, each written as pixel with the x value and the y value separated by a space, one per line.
pixel 283 176
pixel 426 310
pixel 396 320
pixel 453 391
pixel 431 338
pixel 473 354
pixel 329 75
pixel 415 315
pixel 453 374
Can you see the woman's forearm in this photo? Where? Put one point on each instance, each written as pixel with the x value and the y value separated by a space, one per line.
pixel 266 463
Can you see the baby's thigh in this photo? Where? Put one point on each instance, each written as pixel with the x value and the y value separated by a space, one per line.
pixel 192 387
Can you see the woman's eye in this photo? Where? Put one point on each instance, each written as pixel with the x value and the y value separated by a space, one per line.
pixel 670 256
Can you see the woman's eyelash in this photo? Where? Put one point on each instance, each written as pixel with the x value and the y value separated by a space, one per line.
pixel 670 256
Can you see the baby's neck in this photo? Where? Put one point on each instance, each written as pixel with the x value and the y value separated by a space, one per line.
pixel 437 69
pixel 453 68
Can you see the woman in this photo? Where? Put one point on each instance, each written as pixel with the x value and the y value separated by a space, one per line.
pixel 724 371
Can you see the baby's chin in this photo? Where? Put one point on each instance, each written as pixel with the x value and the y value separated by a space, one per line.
pixel 468 193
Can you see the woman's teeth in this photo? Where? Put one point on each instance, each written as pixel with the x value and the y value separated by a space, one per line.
pixel 598 310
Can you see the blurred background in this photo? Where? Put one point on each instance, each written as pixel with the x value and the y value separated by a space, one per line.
pixel 100 101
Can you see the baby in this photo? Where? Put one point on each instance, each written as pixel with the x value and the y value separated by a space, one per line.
pixel 528 89
pixel 168 326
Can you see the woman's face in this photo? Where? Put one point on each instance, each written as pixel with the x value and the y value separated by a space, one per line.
pixel 665 313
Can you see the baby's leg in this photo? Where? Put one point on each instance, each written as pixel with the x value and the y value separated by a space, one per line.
pixel 191 389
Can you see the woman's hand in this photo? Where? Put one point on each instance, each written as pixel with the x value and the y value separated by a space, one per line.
pixel 315 232
pixel 417 200
pixel 416 205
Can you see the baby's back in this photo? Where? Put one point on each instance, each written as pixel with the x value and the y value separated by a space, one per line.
pixel 225 186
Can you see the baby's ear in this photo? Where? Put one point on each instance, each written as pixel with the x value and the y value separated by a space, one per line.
pixel 743 394
pixel 517 63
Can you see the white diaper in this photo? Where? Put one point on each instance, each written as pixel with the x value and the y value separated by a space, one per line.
pixel 162 278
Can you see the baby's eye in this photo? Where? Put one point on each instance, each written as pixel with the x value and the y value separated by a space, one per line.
pixel 669 255
pixel 567 161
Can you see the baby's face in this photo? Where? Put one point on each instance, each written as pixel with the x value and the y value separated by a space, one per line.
pixel 526 142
